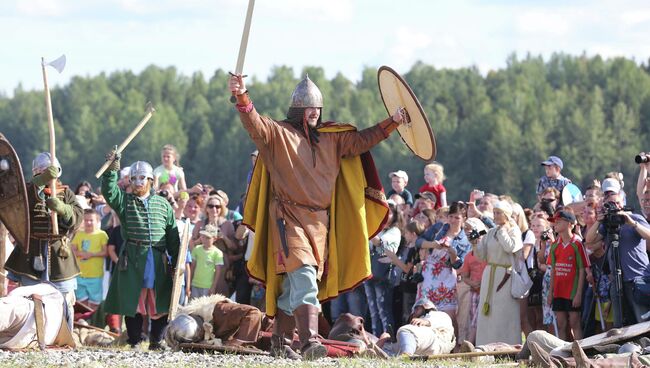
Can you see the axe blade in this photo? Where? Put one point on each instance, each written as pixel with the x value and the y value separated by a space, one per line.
pixel 148 108
pixel 58 64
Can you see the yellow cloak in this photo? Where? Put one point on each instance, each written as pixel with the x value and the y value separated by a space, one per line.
pixel 357 213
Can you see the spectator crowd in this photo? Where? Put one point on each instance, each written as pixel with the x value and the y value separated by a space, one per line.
pixel 458 259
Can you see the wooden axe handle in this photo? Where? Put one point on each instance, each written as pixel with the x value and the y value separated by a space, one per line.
pixel 128 139
pixel 50 124
pixel 466 355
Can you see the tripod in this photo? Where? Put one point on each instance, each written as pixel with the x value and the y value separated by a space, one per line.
pixel 613 235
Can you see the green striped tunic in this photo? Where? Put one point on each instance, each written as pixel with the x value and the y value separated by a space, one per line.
pixel 144 227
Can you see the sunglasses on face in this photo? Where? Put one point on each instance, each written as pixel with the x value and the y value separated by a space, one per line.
pixel 214 206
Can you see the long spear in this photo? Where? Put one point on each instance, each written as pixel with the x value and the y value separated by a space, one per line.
pixel 59 65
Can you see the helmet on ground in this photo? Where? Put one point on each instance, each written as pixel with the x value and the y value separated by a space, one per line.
pixel 183 329
pixel 630 347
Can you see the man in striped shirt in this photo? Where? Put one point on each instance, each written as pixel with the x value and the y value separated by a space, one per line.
pixel 142 283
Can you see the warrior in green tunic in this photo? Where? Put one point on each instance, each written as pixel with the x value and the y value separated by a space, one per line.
pixel 142 283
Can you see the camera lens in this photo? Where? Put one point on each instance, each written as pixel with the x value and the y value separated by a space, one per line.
pixel 641 159
pixel 163 193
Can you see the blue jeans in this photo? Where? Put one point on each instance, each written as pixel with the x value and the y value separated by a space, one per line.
pixel 353 302
pixel 380 303
pixel 299 287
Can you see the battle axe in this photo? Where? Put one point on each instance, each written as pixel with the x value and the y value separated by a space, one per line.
pixel 149 110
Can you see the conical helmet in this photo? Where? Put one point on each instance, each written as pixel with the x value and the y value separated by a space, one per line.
pixel 43 161
pixel 306 94
pixel 140 168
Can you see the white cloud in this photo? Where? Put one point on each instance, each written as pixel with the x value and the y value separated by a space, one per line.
pixel 329 10
pixel 635 17
pixel 405 44
pixel 543 22
pixel 40 8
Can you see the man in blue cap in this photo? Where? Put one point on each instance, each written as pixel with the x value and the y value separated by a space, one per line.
pixel 553 178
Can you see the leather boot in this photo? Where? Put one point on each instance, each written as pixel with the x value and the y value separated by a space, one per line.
pixel 156 333
pixel 307 322
pixel 114 322
pixel 283 327
pixel 134 329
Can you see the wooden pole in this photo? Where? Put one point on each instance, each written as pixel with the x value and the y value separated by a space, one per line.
pixel 471 354
pixel 50 124
pixel 3 254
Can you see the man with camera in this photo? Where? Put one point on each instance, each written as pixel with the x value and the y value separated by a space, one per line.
pixel 626 238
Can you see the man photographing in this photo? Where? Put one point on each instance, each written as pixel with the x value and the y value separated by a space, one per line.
pixel 631 232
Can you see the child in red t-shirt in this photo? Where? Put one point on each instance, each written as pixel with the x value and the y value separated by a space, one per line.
pixel 434 175
pixel 568 262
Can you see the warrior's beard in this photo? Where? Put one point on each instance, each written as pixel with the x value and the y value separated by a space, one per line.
pixel 141 191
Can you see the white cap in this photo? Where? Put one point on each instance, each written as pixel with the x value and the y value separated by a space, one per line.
pixel 400 174
pixel 611 185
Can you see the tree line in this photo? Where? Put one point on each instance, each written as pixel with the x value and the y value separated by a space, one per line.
pixel 492 130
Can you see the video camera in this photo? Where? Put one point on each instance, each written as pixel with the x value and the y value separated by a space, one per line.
pixel 613 218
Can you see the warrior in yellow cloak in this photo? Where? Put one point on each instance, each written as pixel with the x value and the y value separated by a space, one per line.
pixel 313 202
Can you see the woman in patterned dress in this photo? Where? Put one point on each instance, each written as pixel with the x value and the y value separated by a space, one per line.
pixel 446 256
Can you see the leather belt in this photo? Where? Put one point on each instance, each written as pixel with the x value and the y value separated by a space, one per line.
pixel 296 204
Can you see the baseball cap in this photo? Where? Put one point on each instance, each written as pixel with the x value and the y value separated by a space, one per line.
pixel 210 231
pixel 426 195
pixel 564 215
pixel 611 185
pixel 400 174
pixel 553 160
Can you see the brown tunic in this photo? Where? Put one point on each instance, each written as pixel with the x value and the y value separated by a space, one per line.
pixel 301 188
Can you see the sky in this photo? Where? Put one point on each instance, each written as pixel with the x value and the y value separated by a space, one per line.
pixel 343 36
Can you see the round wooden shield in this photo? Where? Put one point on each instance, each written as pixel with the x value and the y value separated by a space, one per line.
pixel 14 210
pixel 417 133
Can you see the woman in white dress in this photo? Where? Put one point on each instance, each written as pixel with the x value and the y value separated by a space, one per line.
pixel 498 319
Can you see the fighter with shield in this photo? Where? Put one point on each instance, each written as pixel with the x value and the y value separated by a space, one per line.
pixel 314 201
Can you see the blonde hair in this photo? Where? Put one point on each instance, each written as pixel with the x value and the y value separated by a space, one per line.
pixel 171 148
pixel 442 211
pixel 436 168
pixel 520 217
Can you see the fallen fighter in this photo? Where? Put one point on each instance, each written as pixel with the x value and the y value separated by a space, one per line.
pixel 428 332
pixel 216 320
pixel 608 349
pixel 32 316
